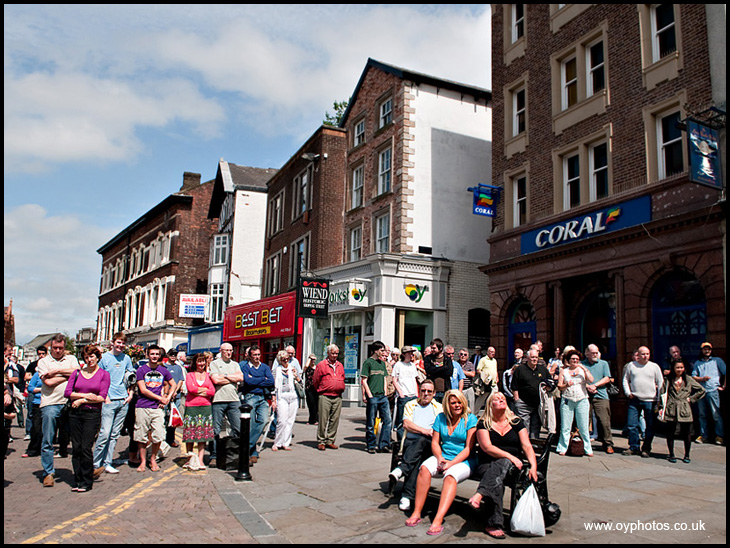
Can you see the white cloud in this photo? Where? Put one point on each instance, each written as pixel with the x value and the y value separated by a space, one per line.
pixel 81 82
pixel 51 270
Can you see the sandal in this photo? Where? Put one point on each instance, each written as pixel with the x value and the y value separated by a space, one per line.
pixel 495 532
pixel 435 532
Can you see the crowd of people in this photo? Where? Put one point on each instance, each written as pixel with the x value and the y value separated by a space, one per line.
pixel 440 405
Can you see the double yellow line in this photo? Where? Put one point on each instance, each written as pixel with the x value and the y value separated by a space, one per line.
pixel 115 506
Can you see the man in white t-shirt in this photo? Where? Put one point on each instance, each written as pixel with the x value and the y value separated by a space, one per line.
pixel 404 381
pixel 54 370
pixel 226 374
pixel 418 419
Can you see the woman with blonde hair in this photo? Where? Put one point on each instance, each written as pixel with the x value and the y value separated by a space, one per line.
pixel 452 445
pixel 503 439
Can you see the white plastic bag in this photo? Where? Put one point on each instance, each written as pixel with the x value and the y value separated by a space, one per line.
pixel 527 517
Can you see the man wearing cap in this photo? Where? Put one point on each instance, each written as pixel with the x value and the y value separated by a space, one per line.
pixel 404 380
pixel 708 371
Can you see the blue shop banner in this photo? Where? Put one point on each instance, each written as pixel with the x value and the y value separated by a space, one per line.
pixel 704 155
pixel 609 219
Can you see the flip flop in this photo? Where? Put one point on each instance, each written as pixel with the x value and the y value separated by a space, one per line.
pixel 435 532
pixel 414 523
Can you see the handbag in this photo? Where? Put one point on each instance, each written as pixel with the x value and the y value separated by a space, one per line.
pixel 527 518
pixel 69 404
pixel 299 389
pixel 575 447
pixel 612 390
pixel 662 416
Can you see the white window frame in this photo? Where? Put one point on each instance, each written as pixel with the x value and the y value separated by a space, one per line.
pixel 663 146
pixel 518 112
pixel 273 274
pixel 216 307
pixel 276 213
pixel 219 250
pixel 357 186
pixel 359 133
pixel 382 232
pixel 597 171
pixel 385 170
pixel 594 69
pixel 519 201
pixel 302 191
pixel 567 84
pixel 657 32
pixel 518 23
pixel 385 112
pixel 355 240
pixel 568 181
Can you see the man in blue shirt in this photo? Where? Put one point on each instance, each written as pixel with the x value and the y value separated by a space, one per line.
pixel 258 382
pixel 114 411
pixel 600 404
pixel 708 371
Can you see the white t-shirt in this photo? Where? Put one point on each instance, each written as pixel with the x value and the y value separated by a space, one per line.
pixel 54 396
pixel 406 374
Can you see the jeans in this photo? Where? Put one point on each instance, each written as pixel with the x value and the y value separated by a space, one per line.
pixel 636 406
pixel 581 410
pixel 401 405
pixel 232 411
pixel 51 414
pixel 710 402
pixel 112 420
pixel 378 405
pixel 259 416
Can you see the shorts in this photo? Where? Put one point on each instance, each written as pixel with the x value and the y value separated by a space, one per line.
pixel 459 472
pixel 150 421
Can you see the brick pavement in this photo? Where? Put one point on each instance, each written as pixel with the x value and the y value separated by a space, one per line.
pixel 170 506
pixel 307 496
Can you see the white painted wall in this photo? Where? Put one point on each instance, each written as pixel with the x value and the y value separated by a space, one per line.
pixel 452 151
pixel 247 249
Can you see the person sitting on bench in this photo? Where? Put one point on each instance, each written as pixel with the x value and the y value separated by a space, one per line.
pixel 502 439
pixel 418 419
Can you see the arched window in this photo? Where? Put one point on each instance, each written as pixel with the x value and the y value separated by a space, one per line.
pixel 522 328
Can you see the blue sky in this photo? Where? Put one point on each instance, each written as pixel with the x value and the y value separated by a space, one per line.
pixel 107 105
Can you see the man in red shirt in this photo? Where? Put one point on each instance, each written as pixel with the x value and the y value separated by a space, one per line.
pixel 329 381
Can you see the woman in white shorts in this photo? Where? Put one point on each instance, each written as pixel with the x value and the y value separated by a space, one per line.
pixel 452 445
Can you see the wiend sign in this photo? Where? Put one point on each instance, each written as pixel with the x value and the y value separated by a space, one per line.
pixel 609 219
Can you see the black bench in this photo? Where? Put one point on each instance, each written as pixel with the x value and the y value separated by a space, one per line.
pixel 516 482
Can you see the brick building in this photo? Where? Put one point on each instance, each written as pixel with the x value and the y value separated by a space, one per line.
pixel 300 233
pixel 409 246
pixel 148 265
pixel 602 238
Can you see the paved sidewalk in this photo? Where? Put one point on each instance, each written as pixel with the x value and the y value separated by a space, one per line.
pixel 309 496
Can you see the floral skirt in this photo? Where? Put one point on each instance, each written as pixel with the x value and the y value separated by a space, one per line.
pixel 198 424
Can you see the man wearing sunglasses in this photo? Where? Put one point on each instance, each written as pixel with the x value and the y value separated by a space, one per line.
pixel 418 421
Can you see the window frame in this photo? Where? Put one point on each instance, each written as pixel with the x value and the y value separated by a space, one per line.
pixel 381 219
pixel 383 173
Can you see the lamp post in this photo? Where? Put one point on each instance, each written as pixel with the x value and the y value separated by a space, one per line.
pixel 243 446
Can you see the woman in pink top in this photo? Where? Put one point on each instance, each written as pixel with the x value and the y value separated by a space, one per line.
pixel 87 389
pixel 198 422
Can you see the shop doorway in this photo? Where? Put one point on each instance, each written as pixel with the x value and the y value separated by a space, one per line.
pixel 597 323
pixel 679 316
pixel 522 328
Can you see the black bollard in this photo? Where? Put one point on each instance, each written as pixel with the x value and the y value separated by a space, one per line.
pixel 243 448
pixel 221 450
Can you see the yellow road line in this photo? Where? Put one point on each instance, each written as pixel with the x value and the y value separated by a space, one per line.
pixel 127 496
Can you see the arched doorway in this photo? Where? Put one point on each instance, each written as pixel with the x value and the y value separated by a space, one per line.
pixel 522 327
pixel 679 315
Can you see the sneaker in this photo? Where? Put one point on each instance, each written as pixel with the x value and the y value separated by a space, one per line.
pixel 718 440
pixel 396 474
pixel 27 437
pixel 111 470
pixel 700 439
pixel 405 504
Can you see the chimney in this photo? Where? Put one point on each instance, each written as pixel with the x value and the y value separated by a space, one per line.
pixel 190 180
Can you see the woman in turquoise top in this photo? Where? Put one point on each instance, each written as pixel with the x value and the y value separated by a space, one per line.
pixel 452 445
